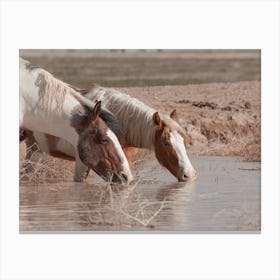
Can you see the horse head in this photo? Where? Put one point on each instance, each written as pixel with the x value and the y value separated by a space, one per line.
pixel 171 144
pixel 98 146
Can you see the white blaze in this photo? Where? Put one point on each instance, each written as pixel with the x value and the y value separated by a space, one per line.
pixel 125 165
pixel 179 147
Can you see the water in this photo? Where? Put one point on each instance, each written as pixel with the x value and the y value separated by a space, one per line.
pixel 225 197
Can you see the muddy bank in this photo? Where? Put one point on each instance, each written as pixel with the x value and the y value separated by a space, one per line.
pixel 222 119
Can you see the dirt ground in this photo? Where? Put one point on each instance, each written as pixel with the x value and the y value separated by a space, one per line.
pixel 221 118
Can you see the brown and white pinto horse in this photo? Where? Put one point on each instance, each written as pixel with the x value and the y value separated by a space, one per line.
pixel 37 142
pixel 49 106
pixel 144 127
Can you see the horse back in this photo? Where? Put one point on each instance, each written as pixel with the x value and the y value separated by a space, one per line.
pixel 54 146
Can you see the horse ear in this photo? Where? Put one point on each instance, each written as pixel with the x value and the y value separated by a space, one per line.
pixel 81 120
pixel 157 121
pixel 174 116
pixel 94 114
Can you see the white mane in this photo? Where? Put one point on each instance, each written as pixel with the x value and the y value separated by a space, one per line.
pixel 52 91
pixel 134 116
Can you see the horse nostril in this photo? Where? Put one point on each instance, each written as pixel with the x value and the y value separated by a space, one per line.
pixel 124 177
pixel 186 176
pixel 119 177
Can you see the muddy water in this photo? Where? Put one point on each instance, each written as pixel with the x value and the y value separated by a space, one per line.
pixel 225 197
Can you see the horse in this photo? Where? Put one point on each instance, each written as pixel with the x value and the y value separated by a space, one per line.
pixel 50 106
pixel 38 142
pixel 144 127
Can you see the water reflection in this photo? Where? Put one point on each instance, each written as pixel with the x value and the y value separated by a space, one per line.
pixel 226 196
pixel 175 190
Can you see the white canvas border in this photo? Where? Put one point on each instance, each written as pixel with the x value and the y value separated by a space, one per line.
pixel 158 24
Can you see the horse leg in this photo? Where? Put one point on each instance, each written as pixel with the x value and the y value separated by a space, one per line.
pixel 81 171
pixel 129 151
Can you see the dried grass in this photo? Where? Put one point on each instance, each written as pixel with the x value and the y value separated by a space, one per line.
pixel 124 207
pixel 41 168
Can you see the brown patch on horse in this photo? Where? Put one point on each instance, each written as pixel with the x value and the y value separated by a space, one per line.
pixel 129 152
pixel 157 121
pixel 52 142
pixel 61 155
pixel 174 116
pixel 22 135
pixel 163 148
pixel 95 148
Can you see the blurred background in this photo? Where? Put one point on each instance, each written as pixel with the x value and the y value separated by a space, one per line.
pixel 129 68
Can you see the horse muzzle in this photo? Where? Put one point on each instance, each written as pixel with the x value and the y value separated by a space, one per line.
pixel 186 176
pixel 122 177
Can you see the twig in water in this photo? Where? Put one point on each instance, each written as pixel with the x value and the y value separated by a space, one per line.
pixel 250 169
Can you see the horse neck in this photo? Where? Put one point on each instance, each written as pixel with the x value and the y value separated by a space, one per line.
pixel 134 116
pixel 40 113
pixel 64 129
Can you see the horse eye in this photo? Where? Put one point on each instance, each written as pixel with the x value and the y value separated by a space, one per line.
pixel 104 141
pixel 93 131
pixel 166 143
